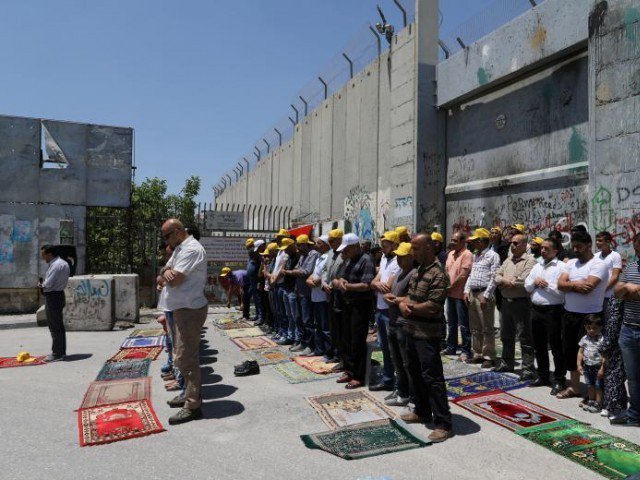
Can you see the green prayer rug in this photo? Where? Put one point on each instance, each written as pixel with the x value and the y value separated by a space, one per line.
pixel 611 457
pixel 294 373
pixel 365 439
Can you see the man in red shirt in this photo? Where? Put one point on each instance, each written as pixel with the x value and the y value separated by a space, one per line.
pixel 458 267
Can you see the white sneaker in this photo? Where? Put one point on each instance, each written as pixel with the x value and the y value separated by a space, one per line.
pixel 604 412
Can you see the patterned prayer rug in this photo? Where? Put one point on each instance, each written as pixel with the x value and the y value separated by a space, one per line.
pixel 611 457
pixel 482 382
pixel 149 332
pixel 150 353
pixel 125 369
pixel 117 391
pixel 339 410
pixel 365 440
pixel 456 368
pixel 244 332
pixel 143 342
pixel 236 324
pixel 269 356
pixel 294 373
pixel 8 362
pixel 253 343
pixel 111 423
pixel 315 364
pixel 508 411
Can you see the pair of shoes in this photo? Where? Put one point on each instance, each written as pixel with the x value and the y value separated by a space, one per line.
pixel 185 415
pixel 593 407
pixel 53 358
pixel 439 435
pixel 166 368
pixel 354 384
pixel 568 393
pixel 177 402
pixel 527 376
pixel 345 378
pixel 412 417
pixel 487 364
pixel 502 368
pixel 540 382
pixel 448 351
pixel 168 376
pixel 620 419
pixel 557 388
pixel 380 387
pixel 284 341
pixel 397 401
pixel 249 367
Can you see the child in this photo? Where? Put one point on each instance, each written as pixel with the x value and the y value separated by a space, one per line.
pixel 591 363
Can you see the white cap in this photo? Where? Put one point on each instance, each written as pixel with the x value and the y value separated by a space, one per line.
pixel 324 238
pixel 257 244
pixel 348 239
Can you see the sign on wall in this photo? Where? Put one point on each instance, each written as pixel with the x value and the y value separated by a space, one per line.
pixel 224 249
pixel 215 220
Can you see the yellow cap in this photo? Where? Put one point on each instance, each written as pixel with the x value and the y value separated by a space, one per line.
pixel 225 271
pixel 286 242
pixel 249 242
pixel 537 240
pixel 302 239
pixel 336 233
pixel 283 233
pixel 403 249
pixel 272 247
pixel 437 237
pixel 480 233
pixel 519 227
pixel 402 230
pixel 391 236
pixel 23 356
pixel 496 229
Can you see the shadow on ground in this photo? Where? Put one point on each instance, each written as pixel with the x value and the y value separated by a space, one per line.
pixel 221 409
pixel 77 356
pixel 212 392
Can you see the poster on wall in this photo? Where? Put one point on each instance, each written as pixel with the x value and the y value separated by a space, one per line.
pixel 222 252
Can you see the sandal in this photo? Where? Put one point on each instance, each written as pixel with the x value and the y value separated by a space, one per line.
pixel 568 393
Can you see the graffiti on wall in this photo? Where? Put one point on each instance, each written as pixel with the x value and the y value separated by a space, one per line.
pixel 89 299
pixel 12 233
pixel 617 210
pixel 357 211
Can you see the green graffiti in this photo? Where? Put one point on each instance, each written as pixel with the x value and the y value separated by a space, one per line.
pixel 483 76
pixel 602 213
pixel 577 147
pixel 631 17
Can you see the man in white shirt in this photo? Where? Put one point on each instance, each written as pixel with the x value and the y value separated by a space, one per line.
pixel 55 281
pixel 613 260
pixel 320 300
pixel 584 284
pixel 546 315
pixel 186 276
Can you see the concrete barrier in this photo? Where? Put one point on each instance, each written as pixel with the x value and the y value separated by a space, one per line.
pixel 90 303
pixel 127 297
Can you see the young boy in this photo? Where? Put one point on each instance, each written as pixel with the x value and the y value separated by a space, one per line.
pixel 591 363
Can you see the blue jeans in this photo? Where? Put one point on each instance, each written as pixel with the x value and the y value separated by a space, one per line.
pixel 322 331
pixel 293 315
pixel 398 349
pixel 388 371
pixel 629 343
pixel 171 336
pixel 282 322
pixel 458 314
pixel 305 322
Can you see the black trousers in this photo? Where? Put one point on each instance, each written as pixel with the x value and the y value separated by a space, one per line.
pixel 546 327
pixel 54 303
pixel 572 332
pixel 426 377
pixel 356 323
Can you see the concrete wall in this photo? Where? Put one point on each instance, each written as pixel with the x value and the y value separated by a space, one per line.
pixel 90 303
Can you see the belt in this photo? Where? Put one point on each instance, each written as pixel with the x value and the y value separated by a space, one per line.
pixel 514 299
pixel 547 307
pixel 479 289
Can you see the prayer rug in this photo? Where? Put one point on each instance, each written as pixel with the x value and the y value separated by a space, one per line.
pixel 294 373
pixel 8 362
pixel 220 321
pixel 377 356
pixel 244 332
pixel 339 410
pixel 143 342
pixel 117 391
pixel 482 382
pixel 111 423
pixel 254 343
pixel 611 457
pixel 456 368
pixel 236 324
pixel 149 332
pixel 136 354
pixel 508 411
pixel 269 356
pixel 315 364
pixel 365 440
pixel 125 369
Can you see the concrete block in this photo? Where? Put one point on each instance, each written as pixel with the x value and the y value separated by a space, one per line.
pixel 90 303
pixel 127 293
pixel 41 316
pixel 18 300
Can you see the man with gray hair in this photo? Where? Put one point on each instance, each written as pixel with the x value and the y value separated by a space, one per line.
pixel 320 300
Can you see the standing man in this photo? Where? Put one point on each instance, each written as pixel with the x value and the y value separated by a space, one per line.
pixel 287 288
pixel 628 290
pixel 422 309
pixel 381 284
pixel 403 234
pixel 254 248
pixel 535 247
pixel 546 315
pixel 478 295
pixel 55 281
pixel 612 260
pixel 336 323
pixel 458 267
pixel 320 301
pixel 276 282
pixel 439 247
pixel 498 244
pixel 584 284
pixel 515 319
pixel 186 276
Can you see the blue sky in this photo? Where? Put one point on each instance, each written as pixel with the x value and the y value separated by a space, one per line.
pixel 200 81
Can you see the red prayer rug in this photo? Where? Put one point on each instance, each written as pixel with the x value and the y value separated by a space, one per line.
pixel 150 353
pixel 112 423
pixel 117 391
pixel 508 410
pixel 8 362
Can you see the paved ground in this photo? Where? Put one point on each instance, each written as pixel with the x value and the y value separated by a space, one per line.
pixel 251 429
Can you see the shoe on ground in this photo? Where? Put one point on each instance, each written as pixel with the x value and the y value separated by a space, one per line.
pixel 528 376
pixel 392 395
pixel 345 378
pixel 166 368
pixel 53 358
pixel 174 387
pixel 448 351
pixel 619 419
pixel 604 413
pixel 397 401
pixel 168 376
pixel 250 367
pixel 412 417
pixel 185 415
pixel 475 360
pixel 307 352
pixel 439 435
pixel 243 365
pixel 284 341
pixel 502 368
pixel 487 364
pixel 297 347
pixel 353 384
pixel 540 382
pixel 380 387
pixel 557 388
pixel 177 402
pixel 338 368
pixel 593 407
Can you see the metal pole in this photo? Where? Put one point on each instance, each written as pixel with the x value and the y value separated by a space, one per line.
pixel 257 155
pixel 404 12
pixel 350 64
pixel 326 87
pixel 306 105
pixel 460 42
pixel 297 113
pixel 268 146
pixel 247 162
pixel 533 3
pixel 241 168
pixel 279 135
pixel 257 150
pixel 378 41
pixel 225 182
pixel 229 177
pixel 445 49
pixel 293 122
pixel 235 173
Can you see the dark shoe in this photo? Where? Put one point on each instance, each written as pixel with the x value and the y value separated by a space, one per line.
pixel 307 352
pixel 354 384
pixel 345 378
pixel 381 387
pixel 185 415
pixel 411 417
pixel 528 376
pixel 168 376
pixel 487 364
pixel 284 341
pixel 540 382
pixel 502 368
pixel 166 369
pixel 338 368
pixel 475 360
pixel 297 347
pixel 173 388
pixel 557 388
pixel 250 367
pixel 53 358
pixel 393 394
pixel 397 401
pixel 439 435
pixel 176 402
pixel 448 351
